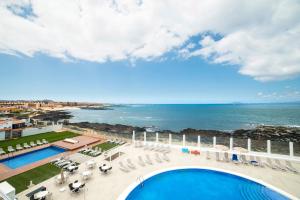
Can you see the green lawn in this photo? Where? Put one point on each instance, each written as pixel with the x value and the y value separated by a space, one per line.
pixel 106 146
pixel 49 136
pixel 36 175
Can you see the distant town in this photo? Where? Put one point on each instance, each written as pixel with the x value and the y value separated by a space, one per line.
pixel 21 117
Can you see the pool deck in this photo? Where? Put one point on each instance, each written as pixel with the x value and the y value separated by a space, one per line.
pixel 110 186
pixel 6 172
pixel 82 142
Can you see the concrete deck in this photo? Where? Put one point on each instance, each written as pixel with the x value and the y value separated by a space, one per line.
pixel 110 186
pixel 82 141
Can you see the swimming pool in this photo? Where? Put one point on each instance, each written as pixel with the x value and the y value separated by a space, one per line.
pixel 31 157
pixel 194 184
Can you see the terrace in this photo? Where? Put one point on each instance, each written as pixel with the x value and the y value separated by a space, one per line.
pixel 111 185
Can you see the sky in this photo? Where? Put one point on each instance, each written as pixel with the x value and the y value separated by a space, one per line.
pixel 143 51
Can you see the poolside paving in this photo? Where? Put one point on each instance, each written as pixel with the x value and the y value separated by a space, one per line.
pixel 110 186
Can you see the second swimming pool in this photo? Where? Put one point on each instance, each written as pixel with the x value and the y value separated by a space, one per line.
pixel 31 157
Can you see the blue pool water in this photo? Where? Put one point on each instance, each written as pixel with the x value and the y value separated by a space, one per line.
pixel 31 157
pixel 195 184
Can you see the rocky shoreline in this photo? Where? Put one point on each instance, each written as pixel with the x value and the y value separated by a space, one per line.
pixel 279 135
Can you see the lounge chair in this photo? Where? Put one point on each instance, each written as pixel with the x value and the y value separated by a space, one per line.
pixel 270 164
pixel 97 153
pixel 32 144
pixel 235 159
pixel 279 165
pixel 244 159
pixel 218 156
pixel 26 146
pixel 167 149
pixel 148 160
pixel 58 161
pixel 62 164
pixel 38 142
pixel 19 147
pixel 165 157
pixel 122 167
pixel 253 161
pixel 195 152
pixel 10 149
pixel 157 158
pixel 71 169
pixel 2 151
pixel 226 157
pixel 141 161
pixel 45 141
pixel 130 164
pixel 185 150
pixel 123 142
pixel 289 166
pixel 207 155
pixel 146 147
pixel 259 161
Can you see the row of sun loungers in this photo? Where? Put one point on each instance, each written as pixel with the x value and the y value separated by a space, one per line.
pixel 92 152
pixel 19 147
pixel 65 164
pixel 154 147
pixel 142 161
pixel 116 141
pixel 256 161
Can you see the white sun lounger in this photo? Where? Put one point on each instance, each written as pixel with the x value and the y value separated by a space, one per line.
pixel 207 155
pixel 130 164
pixel 279 165
pixel 148 160
pixel 122 167
pixel 44 141
pixel 226 157
pixel 32 144
pixel 146 147
pixel 259 161
pixel 25 145
pixel 10 149
pixel 2 151
pixel 218 156
pixel 157 158
pixel 38 142
pixel 244 159
pixel 165 157
pixel 141 161
pixel 289 166
pixel 19 147
pixel 270 164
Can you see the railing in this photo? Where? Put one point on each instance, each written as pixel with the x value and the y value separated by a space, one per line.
pixel 140 179
pixel 266 147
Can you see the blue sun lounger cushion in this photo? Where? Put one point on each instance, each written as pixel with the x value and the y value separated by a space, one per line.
pixel 235 158
pixel 185 150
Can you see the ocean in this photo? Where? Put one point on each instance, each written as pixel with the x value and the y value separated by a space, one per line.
pixel 175 117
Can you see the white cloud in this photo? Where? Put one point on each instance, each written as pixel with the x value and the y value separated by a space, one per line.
pixel 260 36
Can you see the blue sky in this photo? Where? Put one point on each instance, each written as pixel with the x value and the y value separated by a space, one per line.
pixel 171 81
pixel 135 52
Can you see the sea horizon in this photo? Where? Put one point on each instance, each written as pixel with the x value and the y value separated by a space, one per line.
pixel 176 117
